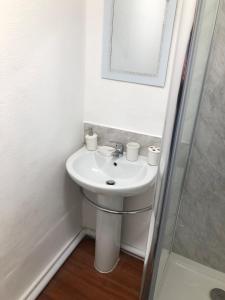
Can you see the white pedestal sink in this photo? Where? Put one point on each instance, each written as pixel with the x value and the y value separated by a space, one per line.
pixel 93 171
pixel 108 233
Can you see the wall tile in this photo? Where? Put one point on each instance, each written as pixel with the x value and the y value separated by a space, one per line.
pixel 107 134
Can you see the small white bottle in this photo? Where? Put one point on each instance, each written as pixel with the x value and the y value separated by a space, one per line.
pixel 91 140
pixel 132 151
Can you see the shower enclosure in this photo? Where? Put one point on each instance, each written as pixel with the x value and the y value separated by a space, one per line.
pixel 187 256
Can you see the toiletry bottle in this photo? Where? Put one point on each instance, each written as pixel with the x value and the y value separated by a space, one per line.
pixel 91 140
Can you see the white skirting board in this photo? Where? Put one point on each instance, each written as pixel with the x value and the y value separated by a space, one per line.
pixel 58 261
pixel 50 270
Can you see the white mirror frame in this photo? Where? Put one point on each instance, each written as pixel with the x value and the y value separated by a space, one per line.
pixel 154 80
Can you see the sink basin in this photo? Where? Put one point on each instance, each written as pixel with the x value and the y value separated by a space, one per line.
pixel 94 172
pixel 111 179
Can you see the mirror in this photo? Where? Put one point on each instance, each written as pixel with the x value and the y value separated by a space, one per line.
pixel 137 39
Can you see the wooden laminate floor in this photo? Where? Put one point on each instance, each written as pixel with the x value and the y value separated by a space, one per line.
pixel 77 279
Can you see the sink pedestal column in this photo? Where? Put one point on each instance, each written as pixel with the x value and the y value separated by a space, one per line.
pixel 108 234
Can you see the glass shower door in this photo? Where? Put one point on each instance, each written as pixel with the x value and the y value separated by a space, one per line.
pixel 168 239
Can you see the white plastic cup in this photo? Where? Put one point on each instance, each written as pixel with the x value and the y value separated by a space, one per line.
pixel 132 151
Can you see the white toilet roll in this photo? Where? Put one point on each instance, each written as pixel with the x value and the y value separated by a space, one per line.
pixel 153 155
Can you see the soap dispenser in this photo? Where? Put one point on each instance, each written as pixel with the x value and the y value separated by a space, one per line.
pixel 91 140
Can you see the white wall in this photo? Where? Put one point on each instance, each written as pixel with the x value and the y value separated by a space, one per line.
pixel 119 104
pixel 41 91
pixel 130 106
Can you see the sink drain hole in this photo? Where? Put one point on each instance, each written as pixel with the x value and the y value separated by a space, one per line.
pixel 110 182
pixel 217 294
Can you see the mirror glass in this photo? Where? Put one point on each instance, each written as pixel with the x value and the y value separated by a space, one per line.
pixel 137 39
pixel 136 35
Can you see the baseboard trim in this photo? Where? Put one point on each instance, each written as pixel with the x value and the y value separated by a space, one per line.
pixel 133 251
pixel 127 248
pixel 44 278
